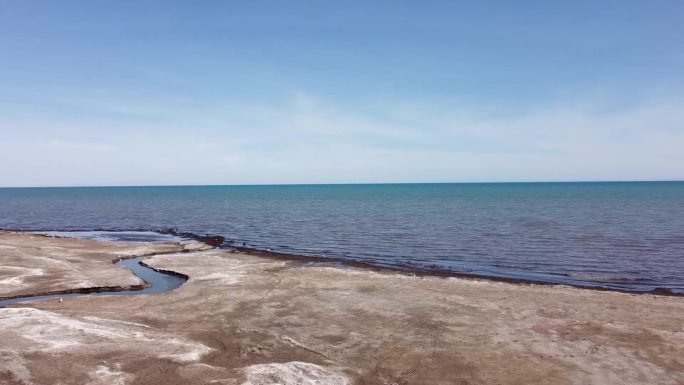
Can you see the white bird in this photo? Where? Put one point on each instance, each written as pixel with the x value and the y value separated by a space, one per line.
pixel 60 299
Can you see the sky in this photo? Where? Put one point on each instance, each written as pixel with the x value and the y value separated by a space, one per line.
pixel 268 92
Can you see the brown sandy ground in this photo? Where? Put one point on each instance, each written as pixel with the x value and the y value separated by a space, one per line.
pixel 242 319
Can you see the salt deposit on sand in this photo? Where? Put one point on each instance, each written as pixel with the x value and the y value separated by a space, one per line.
pixel 104 375
pixel 292 373
pixel 16 276
pixel 48 331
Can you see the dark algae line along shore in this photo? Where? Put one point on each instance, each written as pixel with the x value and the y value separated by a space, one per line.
pixel 436 273
pixel 623 236
pixel 139 267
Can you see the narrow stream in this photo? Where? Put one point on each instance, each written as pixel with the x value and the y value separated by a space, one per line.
pixel 158 282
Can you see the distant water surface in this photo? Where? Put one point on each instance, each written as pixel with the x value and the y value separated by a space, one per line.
pixel 616 235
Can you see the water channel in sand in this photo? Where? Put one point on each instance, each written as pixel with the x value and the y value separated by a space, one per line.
pixel 158 282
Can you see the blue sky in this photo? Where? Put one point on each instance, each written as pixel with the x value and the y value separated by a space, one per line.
pixel 234 92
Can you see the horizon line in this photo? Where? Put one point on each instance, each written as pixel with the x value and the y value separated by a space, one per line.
pixel 344 184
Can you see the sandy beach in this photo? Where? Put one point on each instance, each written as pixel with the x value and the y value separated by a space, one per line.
pixel 247 319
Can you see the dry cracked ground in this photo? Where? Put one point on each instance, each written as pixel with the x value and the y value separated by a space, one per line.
pixel 244 319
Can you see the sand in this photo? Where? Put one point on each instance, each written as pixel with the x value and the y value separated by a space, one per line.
pixel 245 319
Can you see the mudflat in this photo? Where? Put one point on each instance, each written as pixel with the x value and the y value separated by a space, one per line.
pixel 247 319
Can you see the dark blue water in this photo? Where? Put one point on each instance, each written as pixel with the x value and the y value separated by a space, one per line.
pixel 615 235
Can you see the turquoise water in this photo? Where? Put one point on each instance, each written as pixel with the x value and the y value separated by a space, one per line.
pixel 618 235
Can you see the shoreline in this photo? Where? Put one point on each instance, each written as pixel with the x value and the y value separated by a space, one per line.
pixel 241 317
pixel 441 273
pixel 217 241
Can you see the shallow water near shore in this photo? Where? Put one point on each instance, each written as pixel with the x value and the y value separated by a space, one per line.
pixel 626 236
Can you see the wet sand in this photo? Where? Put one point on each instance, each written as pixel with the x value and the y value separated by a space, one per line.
pixel 246 319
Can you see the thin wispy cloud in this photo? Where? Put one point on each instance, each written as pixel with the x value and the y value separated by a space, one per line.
pixel 308 139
